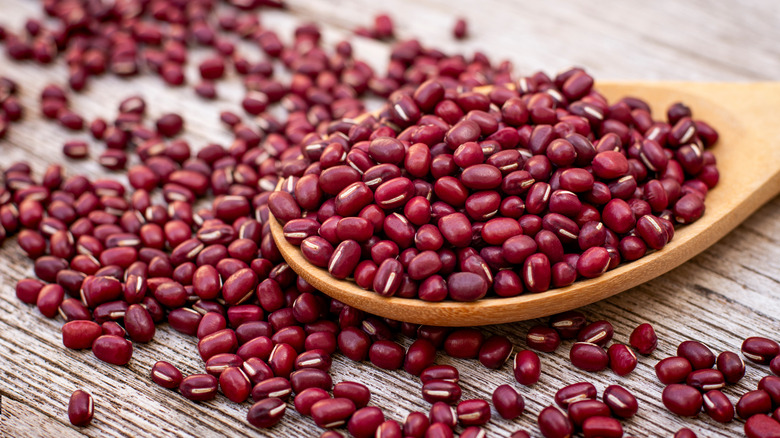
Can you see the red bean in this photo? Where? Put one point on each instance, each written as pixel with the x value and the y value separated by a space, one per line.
pixel 330 413
pixel 599 333
pixel 673 370
pixel 473 412
pixel 166 375
pixel 760 350
pixel 622 403
pixel 754 402
pixel 139 324
pixel 266 413
pixel 441 391
pixel 112 349
pixel 761 425
pixel 466 286
pixel 80 408
pixel 527 367
pixel 543 339
pixel 495 351
pixel 386 354
pixel 706 379
pixel 508 402
pixel 697 354
pixel 731 365
pixel 365 422
pixel 644 339
pixel 80 334
pixel 588 357
pixel 622 359
pixel 682 400
pixel 440 372
pixel 718 406
pixel 554 424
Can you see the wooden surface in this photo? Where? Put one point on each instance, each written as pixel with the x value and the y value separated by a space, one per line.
pixel 750 177
pixel 721 296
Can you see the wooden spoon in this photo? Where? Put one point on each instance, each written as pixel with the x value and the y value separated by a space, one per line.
pixel 748 157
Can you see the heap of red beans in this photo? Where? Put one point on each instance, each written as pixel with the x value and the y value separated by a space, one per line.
pixel 434 198
pixel 449 194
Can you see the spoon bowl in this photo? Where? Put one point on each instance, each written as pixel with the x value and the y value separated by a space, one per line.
pixel 748 157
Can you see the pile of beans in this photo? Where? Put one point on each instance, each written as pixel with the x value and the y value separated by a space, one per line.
pixel 448 173
pixel 463 195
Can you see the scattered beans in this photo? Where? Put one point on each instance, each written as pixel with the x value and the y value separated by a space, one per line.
pixel 445 191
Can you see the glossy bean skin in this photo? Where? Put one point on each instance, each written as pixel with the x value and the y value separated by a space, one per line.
pixel 80 408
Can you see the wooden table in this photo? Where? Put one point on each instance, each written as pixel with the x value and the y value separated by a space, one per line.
pixel 720 297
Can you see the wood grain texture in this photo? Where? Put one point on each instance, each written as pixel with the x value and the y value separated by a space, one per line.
pixel 721 296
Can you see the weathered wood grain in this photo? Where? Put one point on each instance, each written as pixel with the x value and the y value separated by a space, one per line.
pixel 721 296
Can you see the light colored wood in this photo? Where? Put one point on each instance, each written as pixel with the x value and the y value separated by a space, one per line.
pixel 726 293
pixel 750 176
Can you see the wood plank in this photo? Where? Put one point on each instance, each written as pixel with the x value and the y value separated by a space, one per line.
pixel 720 297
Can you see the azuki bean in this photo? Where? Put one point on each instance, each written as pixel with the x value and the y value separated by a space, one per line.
pixel 78 335
pixel 272 387
pixel 330 413
pixel 706 379
pixel 495 351
pixel 441 391
pixel 754 402
pixel 527 367
pixel 466 286
pixel 697 354
pixel 622 359
pixel 543 339
pixel 475 412
pixel 166 375
pixel 644 339
pixel 682 400
pixel 771 384
pixel 464 343
pixel 603 427
pixel 760 426
pixel 388 277
pixel 266 413
pixel 235 384
pixel 443 413
pixel 508 402
pixel 622 403
pixel 673 370
pixel 365 422
pixel 354 343
pixel 574 393
pixel 760 350
pixel 588 357
pixel 440 372
pixel 554 424
pixel 80 408
pixel 112 349
pixel 731 365
pixel 537 273
pixel 139 324
pixel 599 333
pixel 718 406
